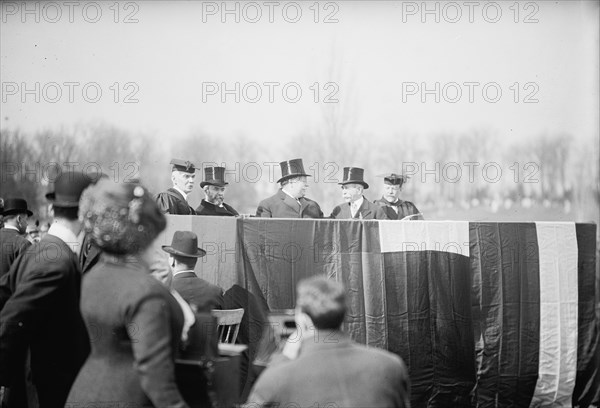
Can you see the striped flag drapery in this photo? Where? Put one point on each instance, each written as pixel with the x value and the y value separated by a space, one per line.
pixel 484 314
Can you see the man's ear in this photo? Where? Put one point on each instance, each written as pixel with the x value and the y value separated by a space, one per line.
pixel 51 210
pixel 171 261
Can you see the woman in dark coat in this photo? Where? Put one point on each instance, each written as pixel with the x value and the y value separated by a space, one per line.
pixel 134 322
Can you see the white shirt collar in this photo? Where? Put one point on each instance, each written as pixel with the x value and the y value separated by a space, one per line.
pixel 11 227
pixel 66 235
pixel 181 191
pixel 179 272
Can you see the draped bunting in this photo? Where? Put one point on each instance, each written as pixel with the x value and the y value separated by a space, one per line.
pixel 483 314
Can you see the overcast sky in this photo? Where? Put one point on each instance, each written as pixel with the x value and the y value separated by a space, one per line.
pixel 371 60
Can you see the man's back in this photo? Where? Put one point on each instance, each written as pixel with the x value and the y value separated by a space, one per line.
pixel 336 371
pixel 43 314
pixel 201 293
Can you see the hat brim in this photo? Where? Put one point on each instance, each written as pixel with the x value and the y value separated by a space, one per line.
pixel 210 183
pixel 169 249
pixel 289 176
pixel 17 211
pixel 362 183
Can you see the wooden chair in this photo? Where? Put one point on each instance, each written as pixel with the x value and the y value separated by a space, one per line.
pixel 228 324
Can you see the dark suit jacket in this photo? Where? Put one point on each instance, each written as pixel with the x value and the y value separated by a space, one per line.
pixel 199 292
pixel 43 315
pixel 206 208
pixel 334 371
pixel 404 208
pixel 11 245
pixel 172 202
pixel 135 331
pixel 282 205
pixel 367 211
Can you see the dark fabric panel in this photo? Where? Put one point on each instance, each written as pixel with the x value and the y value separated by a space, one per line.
pixel 428 306
pixel 587 382
pixel 276 254
pixel 505 269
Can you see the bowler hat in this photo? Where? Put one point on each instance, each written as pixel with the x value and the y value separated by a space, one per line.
pixel 16 206
pixel 393 178
pixel 183 165
pixel 354 175
pixel 184 243
pixel 122 218
pixel 68 186
pixel 214 176
pixel 291 168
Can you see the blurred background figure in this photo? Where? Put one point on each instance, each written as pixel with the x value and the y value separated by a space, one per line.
pixel 33 232
pixel 322 366
pixel 135 323
pixel 12 235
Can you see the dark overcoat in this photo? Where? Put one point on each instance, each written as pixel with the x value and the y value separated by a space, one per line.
pixel 11 245
pixel 199 292
pixel 367 211
pixel 282 205
pixel 206 208
pixel 42 315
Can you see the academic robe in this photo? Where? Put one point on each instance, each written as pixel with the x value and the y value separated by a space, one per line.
pixel 172 202
pixel 405 208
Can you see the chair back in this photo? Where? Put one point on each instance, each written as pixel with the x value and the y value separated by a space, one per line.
pixel 228 324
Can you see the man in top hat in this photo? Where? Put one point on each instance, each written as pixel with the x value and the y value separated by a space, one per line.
pixel 395 208
pixel 289 201
pixel 174 200
pixel 183 255
pixel 356 205
pixel 39 304
pixel 12 235
pixel 214 189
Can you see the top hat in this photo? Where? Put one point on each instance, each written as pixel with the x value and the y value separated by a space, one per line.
pixel 354 175
pixel 291 168
pixel 183 165
pixel 122 218
pixel 393 178
pixel 214 176
pixel 67 188
pixel 16 206
pixel 184 243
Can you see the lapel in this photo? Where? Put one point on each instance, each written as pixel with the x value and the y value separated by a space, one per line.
pixel 364 210
pixel 304 204
pixel 289 201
